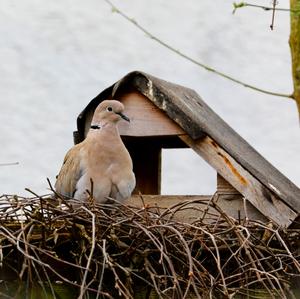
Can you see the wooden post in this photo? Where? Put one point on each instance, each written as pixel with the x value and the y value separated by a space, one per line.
pixel 146 158
pixel 243 181
pixel 224 187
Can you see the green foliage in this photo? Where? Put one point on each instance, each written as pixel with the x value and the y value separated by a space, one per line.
pixel 238 5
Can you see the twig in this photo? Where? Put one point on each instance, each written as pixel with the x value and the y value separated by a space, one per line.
pixel 273 14
pixel 194 61
pixel 9 164
pixel 267 8
pixel 83 287
pixel 103 267
pixel 126 246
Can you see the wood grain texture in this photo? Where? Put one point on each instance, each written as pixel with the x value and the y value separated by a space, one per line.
pixel 224 186
pixel 146 119
pixel 243 181
pixel 193 210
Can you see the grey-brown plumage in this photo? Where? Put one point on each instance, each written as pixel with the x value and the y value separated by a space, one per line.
pixel 101 157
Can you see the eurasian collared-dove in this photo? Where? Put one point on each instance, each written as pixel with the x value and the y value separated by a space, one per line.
pixel 101 157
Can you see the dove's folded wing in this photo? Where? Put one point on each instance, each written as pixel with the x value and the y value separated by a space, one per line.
pixel 70 173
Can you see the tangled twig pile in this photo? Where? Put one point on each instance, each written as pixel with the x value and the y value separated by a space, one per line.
pixel 113 251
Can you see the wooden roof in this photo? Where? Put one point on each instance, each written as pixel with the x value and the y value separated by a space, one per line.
pixel 197 119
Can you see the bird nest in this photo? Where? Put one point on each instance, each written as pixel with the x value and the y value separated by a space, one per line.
pixel 56 246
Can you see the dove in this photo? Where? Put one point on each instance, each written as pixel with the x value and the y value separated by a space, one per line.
pixel 101 158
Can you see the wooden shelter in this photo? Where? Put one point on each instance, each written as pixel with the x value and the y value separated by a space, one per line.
pixel 166 115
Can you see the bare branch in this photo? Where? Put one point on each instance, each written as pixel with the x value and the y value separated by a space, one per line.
pixel 273 14
pixel 83 287
pixel 267 8
pixel 110 251
pixel 9 164
pixel 194 61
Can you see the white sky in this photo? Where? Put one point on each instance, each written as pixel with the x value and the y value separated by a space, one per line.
pixel 56 56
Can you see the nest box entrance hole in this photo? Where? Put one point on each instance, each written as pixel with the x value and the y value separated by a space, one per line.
pixel 146 158
pixel 146 154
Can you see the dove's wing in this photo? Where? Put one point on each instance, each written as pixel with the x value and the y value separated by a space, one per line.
pixel 70 172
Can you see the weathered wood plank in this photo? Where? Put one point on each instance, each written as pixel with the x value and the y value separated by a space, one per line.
pixel 187 109
pixel 262 198
pixel 233 207
pixel 225 187
pixel 146 119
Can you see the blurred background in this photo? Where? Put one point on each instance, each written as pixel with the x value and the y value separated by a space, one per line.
pixel 58 55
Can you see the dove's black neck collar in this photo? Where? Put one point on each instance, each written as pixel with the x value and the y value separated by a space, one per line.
pixel 95 127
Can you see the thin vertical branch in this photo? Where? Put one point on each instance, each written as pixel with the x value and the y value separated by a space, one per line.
pixel 87 268
pixel 273 14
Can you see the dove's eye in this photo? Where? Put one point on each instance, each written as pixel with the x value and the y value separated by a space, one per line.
pixel 109 109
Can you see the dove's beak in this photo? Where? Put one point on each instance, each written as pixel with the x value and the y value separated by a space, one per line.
pixel 124 116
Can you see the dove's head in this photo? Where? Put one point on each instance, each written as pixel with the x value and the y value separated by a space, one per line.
pixel 108 111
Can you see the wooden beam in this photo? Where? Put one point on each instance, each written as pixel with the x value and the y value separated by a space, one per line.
pixel 193 208
pixel 252 189
pixel 146 119
pixel 224 187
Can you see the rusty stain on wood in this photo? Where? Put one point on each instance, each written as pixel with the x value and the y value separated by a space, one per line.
pixel 229 164
pixel 242 180
pixel 233 169
pixel 214 144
